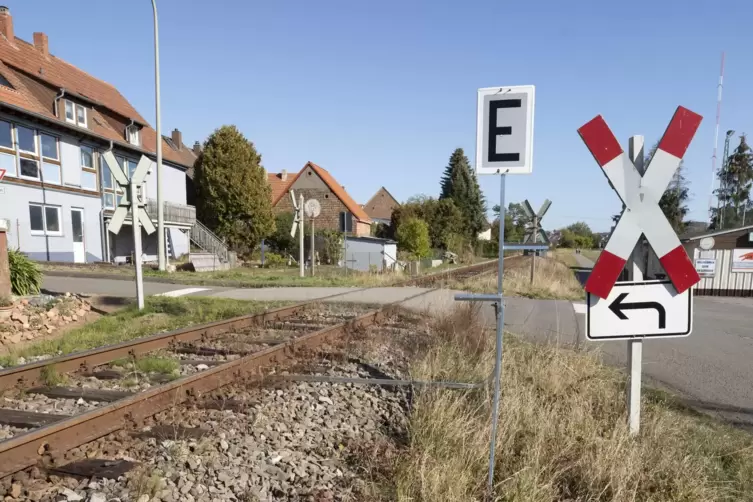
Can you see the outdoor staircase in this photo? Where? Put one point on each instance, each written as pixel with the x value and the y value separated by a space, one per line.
pixel 217 255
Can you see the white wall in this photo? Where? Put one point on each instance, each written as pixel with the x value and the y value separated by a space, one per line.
pixel 14 205
pixel 173 183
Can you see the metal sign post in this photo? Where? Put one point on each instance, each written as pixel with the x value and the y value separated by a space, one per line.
pixel 534 230
pixel 130 202
pixel 313 208
pixel 640 309
pixel 298 222
pixel 504 145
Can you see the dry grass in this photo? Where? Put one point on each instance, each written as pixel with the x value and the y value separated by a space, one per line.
pixel 552 280
pixel 562 434
pixel 566 256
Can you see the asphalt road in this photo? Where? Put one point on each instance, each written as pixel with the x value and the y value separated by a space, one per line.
pixel 712 368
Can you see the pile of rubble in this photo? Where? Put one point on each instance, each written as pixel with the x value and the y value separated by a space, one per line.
pixel 40 316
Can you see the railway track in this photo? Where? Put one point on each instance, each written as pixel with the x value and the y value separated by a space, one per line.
pixel 55 406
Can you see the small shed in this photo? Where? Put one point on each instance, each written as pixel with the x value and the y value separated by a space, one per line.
pixel 723 259
pixel 370 254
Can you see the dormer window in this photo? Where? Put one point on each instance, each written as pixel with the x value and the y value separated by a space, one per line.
pixel 70 112
pixel 75 114
pixel 4 82
pixel 81 116
pixel 133 135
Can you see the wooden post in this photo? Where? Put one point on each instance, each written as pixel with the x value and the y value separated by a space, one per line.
pixel 5 289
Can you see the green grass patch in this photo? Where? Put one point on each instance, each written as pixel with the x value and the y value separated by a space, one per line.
pixel 248 277
pixel 51 377
pixel 159 314
pixel 157 364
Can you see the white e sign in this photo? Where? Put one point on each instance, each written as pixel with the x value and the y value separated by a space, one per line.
pixel 504 130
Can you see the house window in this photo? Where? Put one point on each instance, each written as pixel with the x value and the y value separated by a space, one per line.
pixel 29 168
pixel 45 220
pixel 88 169
pixel 6 135
pixel 50 159
pixel 70 112
pixel 27 139
pixel 49 147
pixel 81 115
pixel 133 135
pixel 8 162
pixel 109 186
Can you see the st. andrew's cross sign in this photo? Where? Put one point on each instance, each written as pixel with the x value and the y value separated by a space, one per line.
pixel 126 205
pixel 640 194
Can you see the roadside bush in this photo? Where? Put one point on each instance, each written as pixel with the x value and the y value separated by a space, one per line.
pixel 281 241
pixel 274 260
pixel 413 237
pixel 332 246
pixel 25 276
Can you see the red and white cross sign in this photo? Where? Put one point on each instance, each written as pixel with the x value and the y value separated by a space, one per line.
pixel 2 174
pixel 640 195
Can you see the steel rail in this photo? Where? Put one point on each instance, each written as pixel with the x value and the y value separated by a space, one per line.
pixel 52 441
pixel 31 374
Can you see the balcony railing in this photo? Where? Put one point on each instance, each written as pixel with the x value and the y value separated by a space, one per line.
pixel 178 214
pixel 175 214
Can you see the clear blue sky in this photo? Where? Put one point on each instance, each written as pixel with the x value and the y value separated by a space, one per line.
pixel 380 93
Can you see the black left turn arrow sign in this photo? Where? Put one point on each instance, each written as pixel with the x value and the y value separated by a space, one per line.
pixel 618 306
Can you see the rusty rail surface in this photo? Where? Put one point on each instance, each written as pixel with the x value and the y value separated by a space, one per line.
pixel 29 375
pixel 53 440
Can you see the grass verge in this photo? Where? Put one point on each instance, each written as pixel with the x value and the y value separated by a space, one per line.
pixel 159 314
pixel 566 256
pixel 553 280
pixel 562 432
pixel 248 277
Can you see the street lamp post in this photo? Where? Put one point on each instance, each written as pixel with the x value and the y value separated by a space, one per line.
pixel 160 206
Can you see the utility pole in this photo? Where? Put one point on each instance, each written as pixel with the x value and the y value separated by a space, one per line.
pixel 303 226
pixel 160 203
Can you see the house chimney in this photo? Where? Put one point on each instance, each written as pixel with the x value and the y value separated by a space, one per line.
pixel 284 175
pixel 6 23
pixel 41 43
pixel 197 148
pixel 177 139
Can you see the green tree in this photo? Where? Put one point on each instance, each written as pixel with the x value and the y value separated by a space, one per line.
pixel 735 181
pixel 443 218
pixel 413 237
pixel 459 183
pixel 233 197
pixel 280 240
pixel 674 200
pixel 578 235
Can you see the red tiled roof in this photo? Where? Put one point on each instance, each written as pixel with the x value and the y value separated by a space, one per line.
pixel 21 62
pixel 279 186
pixel 355 209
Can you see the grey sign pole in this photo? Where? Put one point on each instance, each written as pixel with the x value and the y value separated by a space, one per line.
pixel 500 331
pixel 533 256
pixel 137 250
pixel 131 203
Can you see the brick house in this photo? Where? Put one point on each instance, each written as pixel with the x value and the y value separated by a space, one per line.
pixel 339 210
pixel 380 206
